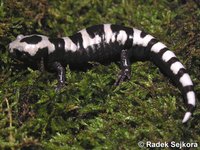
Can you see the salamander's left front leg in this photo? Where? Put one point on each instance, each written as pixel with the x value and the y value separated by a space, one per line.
pixel 125 68
pixel 60 73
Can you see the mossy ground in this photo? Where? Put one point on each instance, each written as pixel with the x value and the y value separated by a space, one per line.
pixel 89 113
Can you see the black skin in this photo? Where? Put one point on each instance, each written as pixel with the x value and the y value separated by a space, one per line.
pixel 123 75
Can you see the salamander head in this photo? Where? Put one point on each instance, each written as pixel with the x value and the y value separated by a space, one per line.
pixel 28 48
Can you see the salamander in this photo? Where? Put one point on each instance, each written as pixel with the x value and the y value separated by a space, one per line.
pixel 105 43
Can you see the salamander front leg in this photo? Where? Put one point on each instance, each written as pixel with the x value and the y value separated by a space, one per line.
pixel 41 65
pixel 60 73
pixel 125 68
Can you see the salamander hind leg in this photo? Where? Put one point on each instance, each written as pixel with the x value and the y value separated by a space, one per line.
pixel 125 72
pixel 60 73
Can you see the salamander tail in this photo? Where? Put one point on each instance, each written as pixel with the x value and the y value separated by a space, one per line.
pixel 188 114
pixel 186 117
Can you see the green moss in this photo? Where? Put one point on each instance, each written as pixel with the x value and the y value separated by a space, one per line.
pixel 90 113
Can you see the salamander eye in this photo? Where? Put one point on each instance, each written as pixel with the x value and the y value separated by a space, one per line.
pixel 18 54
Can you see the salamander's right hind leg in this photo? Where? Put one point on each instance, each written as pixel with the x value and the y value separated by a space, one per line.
pixel 60 73
pixel 125 68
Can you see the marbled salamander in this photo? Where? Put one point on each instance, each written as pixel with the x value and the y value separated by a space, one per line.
pixel 101 43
